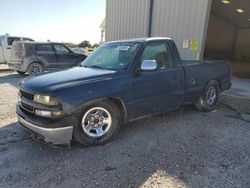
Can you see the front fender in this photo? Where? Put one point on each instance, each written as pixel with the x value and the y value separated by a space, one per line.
pixel 76 97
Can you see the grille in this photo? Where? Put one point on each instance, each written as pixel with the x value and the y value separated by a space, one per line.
pixel 27 107
pixel 27 95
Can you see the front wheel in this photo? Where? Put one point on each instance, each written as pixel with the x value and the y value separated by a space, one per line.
pixel 98 124
pixel 209 98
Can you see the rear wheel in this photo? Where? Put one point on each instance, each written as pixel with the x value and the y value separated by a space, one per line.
pixel 35 68
pixel 210 97
pixel 98 123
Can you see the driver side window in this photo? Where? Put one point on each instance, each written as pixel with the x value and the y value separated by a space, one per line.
pixel 158 52
pixel 61 49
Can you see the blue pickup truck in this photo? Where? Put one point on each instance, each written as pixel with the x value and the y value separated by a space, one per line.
pixel 120 82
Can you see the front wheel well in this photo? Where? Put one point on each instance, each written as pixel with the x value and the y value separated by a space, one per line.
pixel 118 102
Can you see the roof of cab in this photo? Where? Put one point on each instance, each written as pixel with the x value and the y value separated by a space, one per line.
pixel 142 39
pixel 35 42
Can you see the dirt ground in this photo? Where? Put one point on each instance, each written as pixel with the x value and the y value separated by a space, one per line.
pixel 185 148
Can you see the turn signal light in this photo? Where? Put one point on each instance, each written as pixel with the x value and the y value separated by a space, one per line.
pixel 48 114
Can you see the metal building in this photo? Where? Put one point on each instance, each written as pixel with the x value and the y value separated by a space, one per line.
pixel 177 19
pixel 210 29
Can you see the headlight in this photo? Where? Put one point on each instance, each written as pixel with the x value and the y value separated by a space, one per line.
pixel 47 100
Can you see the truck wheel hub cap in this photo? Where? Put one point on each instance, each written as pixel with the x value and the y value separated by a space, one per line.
pixel 96 122
pixel 211 95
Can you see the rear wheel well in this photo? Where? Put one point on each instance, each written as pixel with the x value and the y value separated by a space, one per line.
pixel 209 97
pixel 39 62
pixel 219 84
pixel 213 80
pixel 35 68
pixel 218 81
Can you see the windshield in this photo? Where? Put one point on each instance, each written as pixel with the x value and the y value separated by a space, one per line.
pixel 114 56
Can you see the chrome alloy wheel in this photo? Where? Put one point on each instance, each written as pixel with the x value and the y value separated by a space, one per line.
pixel 211 95
pixel 96 122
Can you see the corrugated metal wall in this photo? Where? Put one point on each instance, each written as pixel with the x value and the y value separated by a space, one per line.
pixel 178 19
pixel 126 19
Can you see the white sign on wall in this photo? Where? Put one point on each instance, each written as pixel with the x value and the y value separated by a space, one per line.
pixel 185 43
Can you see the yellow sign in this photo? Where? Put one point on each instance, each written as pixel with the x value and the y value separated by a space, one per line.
pixel 194 43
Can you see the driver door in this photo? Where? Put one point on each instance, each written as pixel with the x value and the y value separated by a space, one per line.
pixel 159 90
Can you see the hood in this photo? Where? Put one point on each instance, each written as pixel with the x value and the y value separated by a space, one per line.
pixel 48 83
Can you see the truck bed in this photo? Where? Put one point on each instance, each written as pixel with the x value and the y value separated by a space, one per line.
pixel 197 74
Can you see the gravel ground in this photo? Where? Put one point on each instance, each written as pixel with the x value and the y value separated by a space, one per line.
pixel 185 148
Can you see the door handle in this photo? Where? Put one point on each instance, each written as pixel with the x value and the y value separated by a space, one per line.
pixel 8 48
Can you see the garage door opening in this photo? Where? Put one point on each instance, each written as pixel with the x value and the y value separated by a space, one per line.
pixel 228 35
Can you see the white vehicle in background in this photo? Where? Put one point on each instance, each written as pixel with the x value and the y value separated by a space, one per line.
pixel 6 42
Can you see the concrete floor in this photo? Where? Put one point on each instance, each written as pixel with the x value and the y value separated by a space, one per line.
pixel 240 87
pixel 238 96
pixel 185 149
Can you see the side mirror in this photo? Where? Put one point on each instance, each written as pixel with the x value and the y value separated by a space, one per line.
pixel 148 65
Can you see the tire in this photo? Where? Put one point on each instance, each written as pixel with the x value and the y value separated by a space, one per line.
pixel 209 98
pixel 35 68
pixel 94 126
pixel 19 72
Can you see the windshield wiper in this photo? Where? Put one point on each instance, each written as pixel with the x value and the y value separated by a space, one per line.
pixel 98 67
pixel 95 67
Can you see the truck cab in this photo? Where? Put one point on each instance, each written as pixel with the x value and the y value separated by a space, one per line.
pixel 6 43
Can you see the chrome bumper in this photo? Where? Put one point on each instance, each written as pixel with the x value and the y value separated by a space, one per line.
pixel 51 135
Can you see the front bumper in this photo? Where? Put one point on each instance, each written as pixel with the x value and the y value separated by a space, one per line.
pixel 55 132
pixel 55 136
